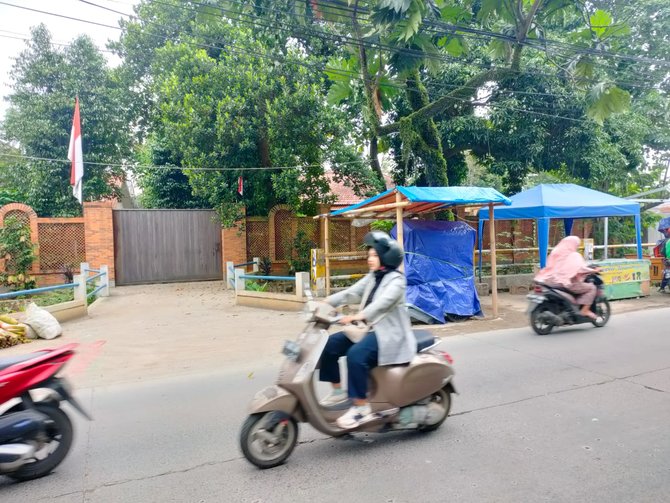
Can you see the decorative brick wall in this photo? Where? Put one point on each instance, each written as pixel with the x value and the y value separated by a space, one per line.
pixel 234 244
pixel 99 225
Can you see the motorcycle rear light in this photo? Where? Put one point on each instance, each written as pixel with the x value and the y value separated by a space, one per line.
pixel 447 357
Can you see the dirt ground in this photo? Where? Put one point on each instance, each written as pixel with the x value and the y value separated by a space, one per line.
pixel 148 332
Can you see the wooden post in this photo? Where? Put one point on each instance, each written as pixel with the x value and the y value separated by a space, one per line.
pixel 399 226
pixel 494 273
pixel 326 243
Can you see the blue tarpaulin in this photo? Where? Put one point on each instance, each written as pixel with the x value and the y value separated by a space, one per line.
pixel 439 265
pixel 565 201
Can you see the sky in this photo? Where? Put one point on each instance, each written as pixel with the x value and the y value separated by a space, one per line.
pixel 15 22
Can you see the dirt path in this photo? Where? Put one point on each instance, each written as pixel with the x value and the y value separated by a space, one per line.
pixel 156 331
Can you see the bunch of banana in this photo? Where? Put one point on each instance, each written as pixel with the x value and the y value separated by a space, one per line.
pixel 8 339
pixel 10 325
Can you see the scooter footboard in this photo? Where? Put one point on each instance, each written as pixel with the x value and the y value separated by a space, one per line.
pixel 275 398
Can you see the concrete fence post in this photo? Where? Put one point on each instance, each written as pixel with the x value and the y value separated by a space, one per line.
pixel 105 291
pixel 255 267
pixel 230 275
pixel 240 283
pixel 80 289
pixel 301 284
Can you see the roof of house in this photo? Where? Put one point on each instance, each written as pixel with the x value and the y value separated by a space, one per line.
pixel 345 196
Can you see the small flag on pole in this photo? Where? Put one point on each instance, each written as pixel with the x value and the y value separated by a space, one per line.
pixel 75 155
pixel 240 186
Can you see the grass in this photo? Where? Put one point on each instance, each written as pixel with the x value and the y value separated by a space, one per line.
pixel 42 299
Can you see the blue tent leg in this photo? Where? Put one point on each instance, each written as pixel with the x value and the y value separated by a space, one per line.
pixel 638 234
pixel 567 225
pixel 480 236
pixel 543 239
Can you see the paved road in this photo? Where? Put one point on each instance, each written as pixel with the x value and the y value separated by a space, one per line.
pixel 580 415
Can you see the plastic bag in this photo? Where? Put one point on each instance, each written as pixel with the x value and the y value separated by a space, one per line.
pixel 42 322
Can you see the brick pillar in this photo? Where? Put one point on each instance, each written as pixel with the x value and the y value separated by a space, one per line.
pixel 99 229
pixel 234 243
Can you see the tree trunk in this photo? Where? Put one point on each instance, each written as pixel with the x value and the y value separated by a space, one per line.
pixel 428 145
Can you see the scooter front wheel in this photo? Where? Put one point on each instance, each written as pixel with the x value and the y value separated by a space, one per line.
pixel 54 446
pixel 267 439
pixel 603 312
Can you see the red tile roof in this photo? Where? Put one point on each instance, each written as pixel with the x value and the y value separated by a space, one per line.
pixel 345 196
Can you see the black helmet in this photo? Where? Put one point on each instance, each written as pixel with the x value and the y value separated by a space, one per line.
pixel 388 249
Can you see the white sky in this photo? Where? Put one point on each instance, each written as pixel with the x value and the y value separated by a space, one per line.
pixel 15 22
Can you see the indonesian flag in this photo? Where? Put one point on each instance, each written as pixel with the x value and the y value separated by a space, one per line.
pixel 240 186
pixel 75 155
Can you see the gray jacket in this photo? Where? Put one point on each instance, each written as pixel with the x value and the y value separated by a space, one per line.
pixel 387 314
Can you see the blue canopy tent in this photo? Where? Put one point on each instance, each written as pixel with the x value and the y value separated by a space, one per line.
pixel 565 201
pixel 411 201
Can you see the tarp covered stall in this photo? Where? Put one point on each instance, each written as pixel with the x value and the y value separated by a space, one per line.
pixel 439 266
pixel 403 202
pixel 563 201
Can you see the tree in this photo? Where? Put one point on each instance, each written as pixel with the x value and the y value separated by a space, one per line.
pixel 39 120
pixel 162 187
pixel 233 112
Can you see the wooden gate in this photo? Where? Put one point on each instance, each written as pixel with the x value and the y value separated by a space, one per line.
pixel 165 246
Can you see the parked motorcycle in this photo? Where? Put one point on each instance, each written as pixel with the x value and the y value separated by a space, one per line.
pixel 414 396
pixel 35 436
pixel 551 306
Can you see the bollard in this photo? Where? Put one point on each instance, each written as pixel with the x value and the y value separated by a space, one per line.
pixel 240 283
pixel 230 275
pixel 80 291
pixel 301 284
pixel 105 291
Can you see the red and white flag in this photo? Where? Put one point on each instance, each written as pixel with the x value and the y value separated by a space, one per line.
pixel 75 155
pixel 240 186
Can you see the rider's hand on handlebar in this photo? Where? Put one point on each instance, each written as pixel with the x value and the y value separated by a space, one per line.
pixel 347 320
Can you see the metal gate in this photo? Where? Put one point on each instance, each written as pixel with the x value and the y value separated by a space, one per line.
pixel 165 246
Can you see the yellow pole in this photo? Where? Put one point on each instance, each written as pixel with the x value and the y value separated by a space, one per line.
pixel 494 274
pixel 326 242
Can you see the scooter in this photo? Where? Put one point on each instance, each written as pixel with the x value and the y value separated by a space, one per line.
pixel 551 306
pixel 414 396
pixel 35 436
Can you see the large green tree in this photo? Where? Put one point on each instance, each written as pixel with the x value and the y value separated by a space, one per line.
pixel 236 101
pixel 46 80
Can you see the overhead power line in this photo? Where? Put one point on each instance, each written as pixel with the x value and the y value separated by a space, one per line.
pixel 131 165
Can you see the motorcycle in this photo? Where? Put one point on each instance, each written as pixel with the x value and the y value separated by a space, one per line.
pixel 35 435
pixel 413 396
pixel 552 306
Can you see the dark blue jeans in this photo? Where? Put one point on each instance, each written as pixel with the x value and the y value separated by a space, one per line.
pixel 361 358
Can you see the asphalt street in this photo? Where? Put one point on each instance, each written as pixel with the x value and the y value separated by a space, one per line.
pixel 579 415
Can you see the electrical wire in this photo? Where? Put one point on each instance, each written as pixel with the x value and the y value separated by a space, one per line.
pixel 180 168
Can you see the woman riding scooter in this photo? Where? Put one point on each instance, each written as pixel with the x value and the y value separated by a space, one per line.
pixel 566 268
pixel 390 341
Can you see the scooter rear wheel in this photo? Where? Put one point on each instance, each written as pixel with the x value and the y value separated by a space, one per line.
pixel 58 442
pixel 267 439
pixel 540 325
pixel 443 399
